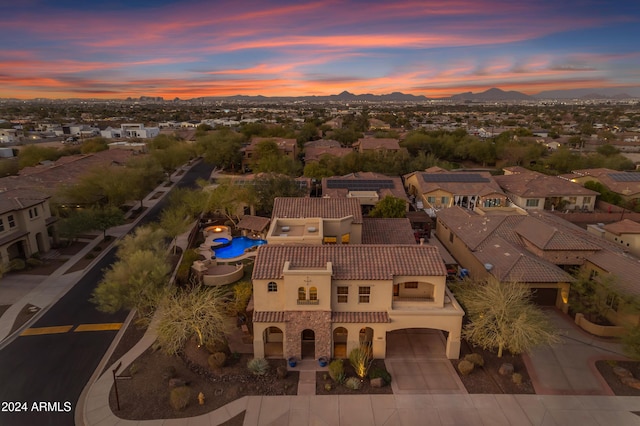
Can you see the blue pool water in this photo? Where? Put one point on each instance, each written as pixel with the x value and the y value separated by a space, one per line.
pixel 237 247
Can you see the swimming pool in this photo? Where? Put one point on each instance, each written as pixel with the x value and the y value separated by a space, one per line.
pixel 237 247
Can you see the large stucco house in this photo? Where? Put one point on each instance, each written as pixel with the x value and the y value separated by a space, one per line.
pixel 329 280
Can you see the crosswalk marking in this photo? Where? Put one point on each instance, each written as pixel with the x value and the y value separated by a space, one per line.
pixel 99 327
pixel 39 331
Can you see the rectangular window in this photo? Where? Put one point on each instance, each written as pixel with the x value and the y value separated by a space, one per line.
pixel 12 221
pixel 572 200
pixel 444 200
pixel 364 294
pixel 586 200
pixel 431 200
pixel 410 285
pixel 343 294
pixel 532 202
pixel 1 224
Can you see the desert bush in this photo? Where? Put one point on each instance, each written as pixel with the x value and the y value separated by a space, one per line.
pixel 32 262
pixel 380 372
pixel 336 370
pixel 17 265
pixel 327 387
pixel 353 383
pixel 179 397
pixel 361 359
pixel 475 358
pixel 465 367
pixel 517 378
pixel 217 346
pixel 217 360
pixel 90 256
pixel 258 366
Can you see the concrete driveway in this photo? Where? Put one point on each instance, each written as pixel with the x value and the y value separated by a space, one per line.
pixel 417 363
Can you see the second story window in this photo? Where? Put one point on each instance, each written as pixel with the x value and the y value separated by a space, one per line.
pixel 364 294
pixel 302 294
pixel 313 293
pixel 12 221
pixel 1 224
pixel 272 287
pixel 343 294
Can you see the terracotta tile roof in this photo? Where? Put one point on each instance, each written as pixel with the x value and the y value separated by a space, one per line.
pixel 625 269
pixel 325 143
pixel 625 187
pixel 269 316
pixel 537 185
pixel 549 238
pixel 387 231
pixel 316 153
pixel 326 208
pixel 378 143
pixel 360 317
pixel 254 223
pixel 468 226
pixel 625 226
pixel 516 264
pixel 15 200
pixel 351 262
pixel 483 185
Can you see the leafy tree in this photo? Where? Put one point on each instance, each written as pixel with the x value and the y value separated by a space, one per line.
pixel 94 145
pixel 103 218
pixel 502 316
pixel 269 186
pixel 631 342
pixel 74 224
pixel 607 150
pixel 221 148
pixel 226 199
pixel 175 221
pixel 143 174
pixel 390 207
pixel 242 292
pixel 137 279
pixel 186 314
pixel 595 295
pixel 31 155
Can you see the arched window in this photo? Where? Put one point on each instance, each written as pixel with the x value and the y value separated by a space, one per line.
pixel 302 294
pixel 272 287
pixel 313 293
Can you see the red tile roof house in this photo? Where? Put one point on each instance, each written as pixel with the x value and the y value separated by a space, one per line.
pixel 532 190
pixel 367 187
pixel 25 224
pixel 626 184
pixel 318 293
pixel 288 147
pixel 437 188
pixel 377 145
pixel 535 248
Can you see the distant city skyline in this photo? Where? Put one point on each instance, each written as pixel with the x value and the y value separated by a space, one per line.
pixel 187 49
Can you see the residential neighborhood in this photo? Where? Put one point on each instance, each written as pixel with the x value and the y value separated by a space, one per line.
pixel 323 234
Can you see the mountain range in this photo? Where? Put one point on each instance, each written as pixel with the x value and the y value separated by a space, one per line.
pixel 493 94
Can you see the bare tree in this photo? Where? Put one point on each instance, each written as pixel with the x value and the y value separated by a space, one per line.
pixel 502 316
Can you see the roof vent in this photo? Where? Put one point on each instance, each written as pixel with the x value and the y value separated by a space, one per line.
pixel 488 266
pixel 312 229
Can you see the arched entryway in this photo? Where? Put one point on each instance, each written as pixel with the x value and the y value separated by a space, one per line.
pixel 273 339
pixel 366 336
pixel 340 335
pixel 308 344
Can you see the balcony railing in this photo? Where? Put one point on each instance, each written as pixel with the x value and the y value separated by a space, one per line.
pixel 412 299
pixel 308 302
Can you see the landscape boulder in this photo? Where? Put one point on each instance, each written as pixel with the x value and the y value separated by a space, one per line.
pixel 621 372
pixel 377 382
pixel 632 382
pixel 506 369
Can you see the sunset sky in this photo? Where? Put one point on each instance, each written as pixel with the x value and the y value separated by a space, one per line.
pixel 186 49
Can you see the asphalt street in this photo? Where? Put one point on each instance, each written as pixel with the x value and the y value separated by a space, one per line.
pixel 42 376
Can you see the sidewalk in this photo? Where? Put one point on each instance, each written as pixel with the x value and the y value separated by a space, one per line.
pixel 43 291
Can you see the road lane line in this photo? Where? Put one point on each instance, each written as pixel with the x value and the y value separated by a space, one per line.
pixel 98 327
pixel 46 330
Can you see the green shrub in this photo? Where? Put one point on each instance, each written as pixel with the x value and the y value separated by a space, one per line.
pixel 217 346
pixel 465 367
pixel 179 397
pixel 258 366
pixel 327 387
pixel 17 265
pixel 190 256
pixel 353 383
pixel 380 372
pixel 169 372
pixel 217 360
pixel 336 370
pixel 36 255
pixel 475 358
pixel 517 378
pixel 32 262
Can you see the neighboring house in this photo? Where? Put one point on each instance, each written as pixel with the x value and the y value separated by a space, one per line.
pixel 367 187
pixel 130 131
pixel 536 191
pixel 315 150
pixel 288 147
pixel 437 188
pixel 626 184
pixel 376 124
pixel 25 224
pixel 315 301
pixel 377 145
pixel 625 233
pixel 132 146
pixel 513 248
pixel 8 136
